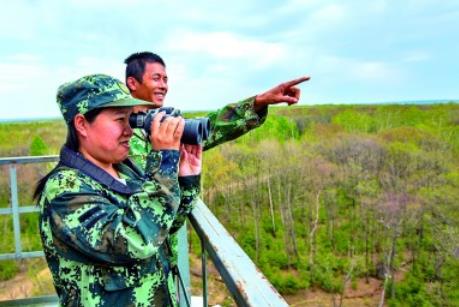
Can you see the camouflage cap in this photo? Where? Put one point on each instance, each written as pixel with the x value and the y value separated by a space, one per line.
pixel 92 92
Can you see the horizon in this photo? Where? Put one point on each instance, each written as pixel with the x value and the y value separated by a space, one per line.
pixel 401 103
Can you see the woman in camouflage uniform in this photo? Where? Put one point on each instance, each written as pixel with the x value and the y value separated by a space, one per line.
pixel 103 221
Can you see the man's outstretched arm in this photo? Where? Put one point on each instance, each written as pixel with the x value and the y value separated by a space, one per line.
pixel 236 119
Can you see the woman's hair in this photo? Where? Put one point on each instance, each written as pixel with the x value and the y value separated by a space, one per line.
pixel 72 143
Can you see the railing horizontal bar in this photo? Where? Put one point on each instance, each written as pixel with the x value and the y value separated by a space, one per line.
pixel 248 286
pixel 25 160
pixel 28 209
pixel 48 300
pixel 6 211
pixel 22 255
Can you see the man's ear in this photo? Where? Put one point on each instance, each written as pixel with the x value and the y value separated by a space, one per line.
pixel 80 123
pixel 132 84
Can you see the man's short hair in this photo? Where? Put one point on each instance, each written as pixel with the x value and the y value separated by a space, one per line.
pixel 135 64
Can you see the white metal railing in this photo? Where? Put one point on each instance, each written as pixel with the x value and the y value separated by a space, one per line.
pixel 247 285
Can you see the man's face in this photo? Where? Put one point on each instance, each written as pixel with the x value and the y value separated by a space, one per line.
pixel 154 85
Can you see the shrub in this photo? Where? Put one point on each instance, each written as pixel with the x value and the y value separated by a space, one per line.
pixel 38 147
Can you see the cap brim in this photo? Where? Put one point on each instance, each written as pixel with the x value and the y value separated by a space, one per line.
pixel 127 102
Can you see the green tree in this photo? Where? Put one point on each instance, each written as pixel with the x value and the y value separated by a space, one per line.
pixel 38 147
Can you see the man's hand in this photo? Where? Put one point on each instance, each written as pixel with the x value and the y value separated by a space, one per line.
pixel 166 134
pixel 190 160
pixel 284 92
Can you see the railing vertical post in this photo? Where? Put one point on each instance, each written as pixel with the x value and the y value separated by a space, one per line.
pixel 204 274
pixel 184 266
pixel 15 210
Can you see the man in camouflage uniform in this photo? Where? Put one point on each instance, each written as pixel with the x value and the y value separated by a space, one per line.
pixel 103 222
pixel 146 79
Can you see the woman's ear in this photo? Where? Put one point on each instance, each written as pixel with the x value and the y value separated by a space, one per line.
pixel 132 83
pixel 81 124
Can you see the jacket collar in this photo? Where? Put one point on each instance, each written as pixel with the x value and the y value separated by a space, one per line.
pixel 75 160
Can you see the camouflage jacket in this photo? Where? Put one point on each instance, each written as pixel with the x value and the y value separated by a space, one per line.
pixel 103 239
pixel 226 124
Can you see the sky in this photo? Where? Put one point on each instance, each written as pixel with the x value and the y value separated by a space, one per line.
pixel 219 52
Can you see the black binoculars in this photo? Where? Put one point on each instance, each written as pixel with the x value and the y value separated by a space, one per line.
pixel 195 132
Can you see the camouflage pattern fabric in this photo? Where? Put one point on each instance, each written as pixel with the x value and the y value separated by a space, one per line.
pixel 226 124
pixel 92 92
pixel 103 240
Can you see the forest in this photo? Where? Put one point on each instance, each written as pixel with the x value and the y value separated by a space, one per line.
pixel 324 197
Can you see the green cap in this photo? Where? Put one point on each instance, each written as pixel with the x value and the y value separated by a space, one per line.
pixel 93 92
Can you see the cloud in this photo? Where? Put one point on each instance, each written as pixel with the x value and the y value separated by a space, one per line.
pixel 375 70
pixel 293 6
pixel 18 70
pixel 118 4
pixel 417 56
pixel 25 83
pixel 20 24
pixel 364 71
pixel 218 53
pixel 207 93
pixel 30 83
pixel 330 15
pixel 228 46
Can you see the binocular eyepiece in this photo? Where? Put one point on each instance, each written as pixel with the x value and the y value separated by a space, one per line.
pixel 195 132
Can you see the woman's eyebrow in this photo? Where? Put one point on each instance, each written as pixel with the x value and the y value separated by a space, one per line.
pixel 121 111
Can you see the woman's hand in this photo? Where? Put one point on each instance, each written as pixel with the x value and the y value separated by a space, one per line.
pixel 166 134
pixel 190 160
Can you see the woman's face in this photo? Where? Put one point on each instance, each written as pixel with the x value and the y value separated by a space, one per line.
pixel 107 137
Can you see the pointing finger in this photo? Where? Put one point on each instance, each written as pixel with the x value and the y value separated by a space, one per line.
pixel 296 81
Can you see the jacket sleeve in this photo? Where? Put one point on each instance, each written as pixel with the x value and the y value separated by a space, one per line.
pixel 234 120
pixel 189 191
pixel 139 147
pixel 102 231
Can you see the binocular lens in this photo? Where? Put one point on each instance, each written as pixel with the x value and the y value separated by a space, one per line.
pixel 195 132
